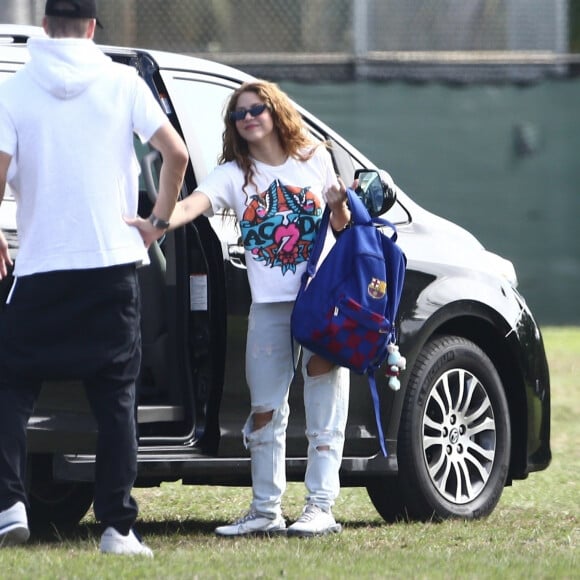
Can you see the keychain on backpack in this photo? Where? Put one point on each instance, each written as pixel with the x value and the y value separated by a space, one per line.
pixel 395 364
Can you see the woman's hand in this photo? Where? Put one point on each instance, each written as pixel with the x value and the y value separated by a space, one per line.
pixel 336 196
pixel 148 232
pixel 336 199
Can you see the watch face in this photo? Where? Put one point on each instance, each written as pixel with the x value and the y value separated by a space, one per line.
pixel 158 223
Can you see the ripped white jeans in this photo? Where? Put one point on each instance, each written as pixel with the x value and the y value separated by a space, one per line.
pixel 269 372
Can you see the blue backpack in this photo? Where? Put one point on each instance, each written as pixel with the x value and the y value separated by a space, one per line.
pixel 345 311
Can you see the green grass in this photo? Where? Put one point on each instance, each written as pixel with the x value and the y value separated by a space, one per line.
pixel 533 533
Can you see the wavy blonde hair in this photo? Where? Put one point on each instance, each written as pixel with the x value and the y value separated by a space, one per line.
pixel 288 124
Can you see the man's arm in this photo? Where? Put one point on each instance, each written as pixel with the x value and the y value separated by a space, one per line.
pixel 4 163
pixel 175 156
pixel 5 260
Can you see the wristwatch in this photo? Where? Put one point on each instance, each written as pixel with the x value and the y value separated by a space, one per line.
pixel 158 223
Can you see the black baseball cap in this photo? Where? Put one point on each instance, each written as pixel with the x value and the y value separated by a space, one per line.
pixel 72 9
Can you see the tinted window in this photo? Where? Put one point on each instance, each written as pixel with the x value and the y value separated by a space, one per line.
pixel 199 104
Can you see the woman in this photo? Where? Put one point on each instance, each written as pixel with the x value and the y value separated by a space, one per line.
pixel 277 180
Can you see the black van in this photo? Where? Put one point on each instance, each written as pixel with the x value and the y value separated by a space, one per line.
pixel 473 411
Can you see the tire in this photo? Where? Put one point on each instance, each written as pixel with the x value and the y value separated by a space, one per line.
pixel 387 497
pixel 455 440
pixel 62 504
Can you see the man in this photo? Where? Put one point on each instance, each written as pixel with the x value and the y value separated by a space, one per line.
pixel 67 121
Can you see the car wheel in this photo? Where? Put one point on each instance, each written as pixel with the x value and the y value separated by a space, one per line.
pixel 53 502
pixel 454 441
pixel 387 497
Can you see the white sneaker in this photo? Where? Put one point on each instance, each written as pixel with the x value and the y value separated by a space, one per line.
pixel 14 525
pixel 314 521
pixel 112 542
pixel 253 524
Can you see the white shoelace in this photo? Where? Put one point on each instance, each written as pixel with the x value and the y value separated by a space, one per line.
pixel 309 513
pixel 251 515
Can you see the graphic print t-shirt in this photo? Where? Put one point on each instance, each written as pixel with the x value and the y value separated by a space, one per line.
pixel 279 218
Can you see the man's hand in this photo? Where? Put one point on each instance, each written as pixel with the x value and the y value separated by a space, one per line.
pixel 5 260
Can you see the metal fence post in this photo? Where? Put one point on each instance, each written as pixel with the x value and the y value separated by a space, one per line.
pixel 360 31
pixel 562 28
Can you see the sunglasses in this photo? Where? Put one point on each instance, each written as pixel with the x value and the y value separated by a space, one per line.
pixel 254 110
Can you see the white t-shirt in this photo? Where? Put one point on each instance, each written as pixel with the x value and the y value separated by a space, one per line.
pixel 279 218
pixel 68 119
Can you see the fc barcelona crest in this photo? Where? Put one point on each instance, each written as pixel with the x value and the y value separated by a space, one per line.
pixel 377 288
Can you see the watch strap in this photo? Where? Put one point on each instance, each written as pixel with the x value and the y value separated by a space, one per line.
pixel 158 223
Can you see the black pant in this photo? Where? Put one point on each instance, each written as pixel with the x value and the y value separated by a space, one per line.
pixel 78 324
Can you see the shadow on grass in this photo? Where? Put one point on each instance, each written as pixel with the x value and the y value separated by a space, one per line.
pixel 81 532
pixel 190 527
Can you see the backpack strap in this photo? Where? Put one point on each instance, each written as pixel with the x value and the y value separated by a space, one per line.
pixel 315 253
pixel 317 247
pixel 381 222
pixel 359 213
pixel 377 408
pixel 361 216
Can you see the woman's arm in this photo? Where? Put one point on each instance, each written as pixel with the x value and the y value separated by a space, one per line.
pixel 188 209
pixel 185 211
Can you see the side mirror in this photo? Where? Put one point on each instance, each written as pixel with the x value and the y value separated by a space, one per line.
pixel 377 196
